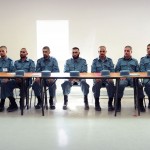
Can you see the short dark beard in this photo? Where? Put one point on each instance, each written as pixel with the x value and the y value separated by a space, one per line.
pixel 22 57
pixel 3 56
pixel 75 57
pixel 127 57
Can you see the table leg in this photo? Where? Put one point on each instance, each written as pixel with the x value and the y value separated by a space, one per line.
pixel 22 95
pixel 137 94
pixel 116 95
pixel 42 95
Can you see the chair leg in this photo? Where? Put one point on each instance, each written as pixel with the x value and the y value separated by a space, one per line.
pixel 27 98
pixel 144 102
pixel 45 97
pixel 30 98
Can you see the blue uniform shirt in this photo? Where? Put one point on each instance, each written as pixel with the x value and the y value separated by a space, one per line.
pixel 145 63
pixel 6 65
pixel 50 64
pixel 28 65
pixel 127 64
pixel 75 65
pixel 99 65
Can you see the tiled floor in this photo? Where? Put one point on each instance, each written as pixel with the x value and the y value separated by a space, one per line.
pixel 76 128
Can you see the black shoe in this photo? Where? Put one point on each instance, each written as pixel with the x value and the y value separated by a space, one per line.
pixel 86 107
pixel 51 102
pixel 23 107
pixel 118 109
pixel 110 108
pixel 2 108
pixel 148 105
pixel 12 108
pixel 142 109
pixel 65 102
pixel 52 107
pixel 65 107
pixel 98 108
pixel 97 104
pixel 38 106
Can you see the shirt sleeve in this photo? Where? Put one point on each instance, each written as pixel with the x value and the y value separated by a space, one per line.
pixel 112 69
pixel 66 66
pixel 32 66
pixel 137 69
pixel 142 66
pixel 84 66
pixel 55 66
pixel 93 66
pixel 12 68
pixel 118 67
pixel 38 66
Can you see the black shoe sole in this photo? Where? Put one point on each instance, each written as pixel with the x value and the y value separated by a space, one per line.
pixel 12 110
pixel 65 107
pixel 38 107
pixel 2 109
pixel 110 108
pixel 142 110
pixel 98 109
pixel 86 108
pixel 52 107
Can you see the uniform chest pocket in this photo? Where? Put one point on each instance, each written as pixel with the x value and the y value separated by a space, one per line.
pixel 46 66
pixel 26 67
pixel 71 67
pixel 4 65
pixel 133 67
pixel 99 67
pixel 124 67
pixel 107 66
pixel 23 66
pixel 18 67
pixel 147 65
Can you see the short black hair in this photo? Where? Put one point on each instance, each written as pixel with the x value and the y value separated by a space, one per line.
pixel 128 46
pixel 46 47
pixel 148 45
pixel 75 48
pixel 3 47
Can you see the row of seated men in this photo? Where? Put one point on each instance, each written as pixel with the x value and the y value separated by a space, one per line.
pixel 75 63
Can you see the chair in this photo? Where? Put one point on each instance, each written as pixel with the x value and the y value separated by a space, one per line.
pixel 45 97
pixel 132 94
pixel 28 96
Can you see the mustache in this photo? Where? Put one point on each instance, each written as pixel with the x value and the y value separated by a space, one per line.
pixel 75 57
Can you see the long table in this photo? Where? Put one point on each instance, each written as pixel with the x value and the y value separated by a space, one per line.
pixel 134 75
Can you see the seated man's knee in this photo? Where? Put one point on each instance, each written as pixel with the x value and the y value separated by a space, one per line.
pixel 66 83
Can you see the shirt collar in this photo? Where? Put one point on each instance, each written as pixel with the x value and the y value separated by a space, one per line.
pixel 127 59
pixel 27 59
pixel 148 56
pixel 47 59
pixel 76 60
pixel 102 59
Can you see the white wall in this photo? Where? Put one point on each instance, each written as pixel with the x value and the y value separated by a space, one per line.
pixel 113 23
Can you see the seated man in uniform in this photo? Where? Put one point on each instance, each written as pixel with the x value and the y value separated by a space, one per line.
pixel 99 64
pixel 26 64
pixel 50 63
pixel 131 64
pixel 6 65
pixel 75 63
pixel 145 66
